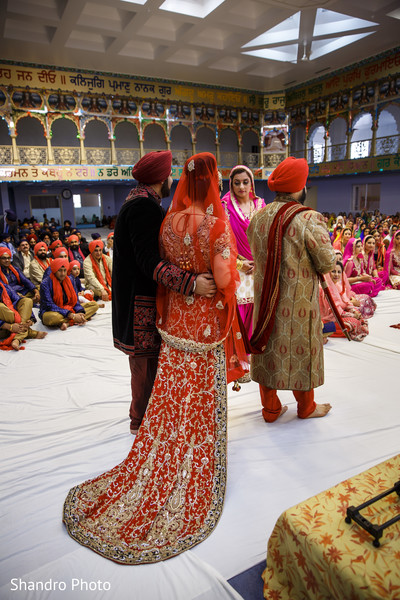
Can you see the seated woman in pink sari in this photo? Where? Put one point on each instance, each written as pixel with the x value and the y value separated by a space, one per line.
pixel 353 261
pixel 369 261
pixel 240 204
pixel 356 325
pixel 391 271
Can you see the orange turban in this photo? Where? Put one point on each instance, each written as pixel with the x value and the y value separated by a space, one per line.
pixel 94 243
pixel 72 264
pixel 38 246
pixel 154 167
pixel 72 238
pixel 58 263
pixel 289 176
pixel 57 251
pixel 4 250
pixel 55 244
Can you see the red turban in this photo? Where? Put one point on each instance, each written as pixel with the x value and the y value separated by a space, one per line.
pixel 154 167
pixel 289 176
pixel 38 246
pixel 4 250
pixel 55 244
pixel 58 251
pixel 31 236
pixel 58 263
pixel 93 244
pixel 110 235
pixel 72 238
pixel 72 264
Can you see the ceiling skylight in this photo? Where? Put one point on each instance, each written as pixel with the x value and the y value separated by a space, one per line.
pixel 194 8
pixel 322 47
pixel 328 22
pixel 284 53
pixel 135 1
pixel 285 31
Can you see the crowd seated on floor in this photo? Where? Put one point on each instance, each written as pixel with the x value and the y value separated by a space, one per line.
pixel 44 266
pixel 368 262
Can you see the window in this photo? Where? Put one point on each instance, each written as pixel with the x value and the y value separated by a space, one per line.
pixel 366 196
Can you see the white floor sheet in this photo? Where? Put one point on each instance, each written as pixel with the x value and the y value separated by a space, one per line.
pixel 65 402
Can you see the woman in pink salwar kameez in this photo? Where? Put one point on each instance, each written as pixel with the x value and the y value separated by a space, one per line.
pixel 391 271
pixel 241 203
pixel 353 260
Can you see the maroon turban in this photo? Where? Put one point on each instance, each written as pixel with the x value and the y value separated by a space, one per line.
pixel 95 243
pixel 154 167
pixel 58 263
pixel 289 176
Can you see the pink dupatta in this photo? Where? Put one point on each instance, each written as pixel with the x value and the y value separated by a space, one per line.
pixel 237 220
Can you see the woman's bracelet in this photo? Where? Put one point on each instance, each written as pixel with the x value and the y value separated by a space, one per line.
pixel 239 264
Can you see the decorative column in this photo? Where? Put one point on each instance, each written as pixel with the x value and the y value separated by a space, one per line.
pixel 16 160
pixel 374 122
pixel 82 149
pixel 349 126
pixel 373 141
pixel 50 156
pixel 326 136
pixel 141 147
pixel 114 159
pixel 306 136
pixel 218 157
pixel 240 147
pixel 261 158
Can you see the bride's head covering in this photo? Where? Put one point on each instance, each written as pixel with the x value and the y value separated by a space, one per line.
pixel 198 186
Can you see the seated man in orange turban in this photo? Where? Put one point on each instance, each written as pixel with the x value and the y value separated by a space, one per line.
pixel 97 268
pixel 39 264
pixel 15 319
pixel 290 244
pixel 59 304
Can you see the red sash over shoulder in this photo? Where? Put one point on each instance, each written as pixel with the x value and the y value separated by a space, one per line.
pixel 270 291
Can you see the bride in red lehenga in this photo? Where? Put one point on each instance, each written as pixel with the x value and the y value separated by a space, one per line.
pixel 167 495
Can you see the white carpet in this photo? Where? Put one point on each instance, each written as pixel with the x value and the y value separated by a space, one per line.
pixel 64 404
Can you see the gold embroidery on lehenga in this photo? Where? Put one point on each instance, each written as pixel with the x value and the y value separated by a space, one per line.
pixel 167 496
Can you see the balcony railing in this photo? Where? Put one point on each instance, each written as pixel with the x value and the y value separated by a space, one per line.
pixel 384 146
pixel 72 155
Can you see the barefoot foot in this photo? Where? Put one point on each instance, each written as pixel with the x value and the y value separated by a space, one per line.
pixel 63 326
pixel 320 411
pixel 283 410
pixel 15 344
pixel 41 335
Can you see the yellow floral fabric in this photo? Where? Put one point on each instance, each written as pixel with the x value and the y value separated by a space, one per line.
pixel 313 554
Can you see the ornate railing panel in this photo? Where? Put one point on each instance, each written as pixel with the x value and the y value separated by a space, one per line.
pixel 32 155
pixel 66 155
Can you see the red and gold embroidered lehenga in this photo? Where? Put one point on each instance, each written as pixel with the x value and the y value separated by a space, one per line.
pixel 167 495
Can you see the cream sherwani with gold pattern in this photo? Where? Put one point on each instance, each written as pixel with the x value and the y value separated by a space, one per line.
pixel 293 359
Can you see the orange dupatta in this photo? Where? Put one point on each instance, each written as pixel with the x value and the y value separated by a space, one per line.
pixel 106 286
